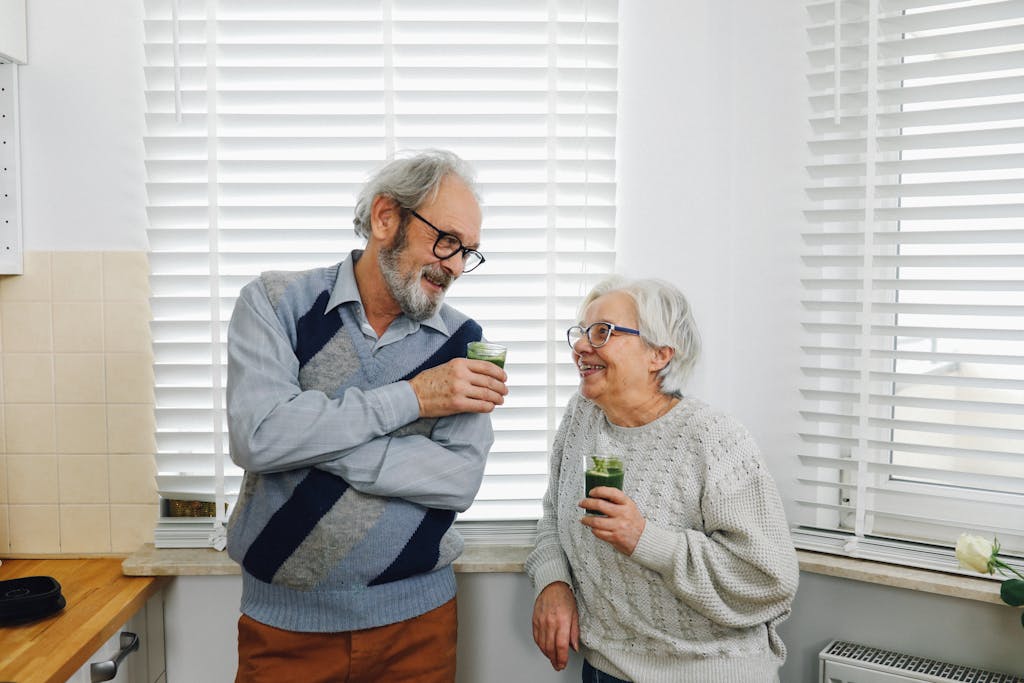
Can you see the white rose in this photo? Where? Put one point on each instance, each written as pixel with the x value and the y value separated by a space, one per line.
pixel 974 552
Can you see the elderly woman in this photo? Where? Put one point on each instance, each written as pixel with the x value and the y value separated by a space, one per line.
pixel 690 568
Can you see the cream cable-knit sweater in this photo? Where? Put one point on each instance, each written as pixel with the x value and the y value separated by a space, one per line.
pixel 713 573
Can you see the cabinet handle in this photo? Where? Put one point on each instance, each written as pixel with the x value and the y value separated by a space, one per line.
pixel 105 671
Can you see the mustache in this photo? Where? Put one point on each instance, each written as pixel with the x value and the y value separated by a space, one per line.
pixel 438 275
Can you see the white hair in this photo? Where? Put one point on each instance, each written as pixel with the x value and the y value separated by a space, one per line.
pixel 410 181
pixel 664 318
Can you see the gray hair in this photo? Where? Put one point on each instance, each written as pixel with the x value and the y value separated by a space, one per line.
pixel 410 181
pixel 664 318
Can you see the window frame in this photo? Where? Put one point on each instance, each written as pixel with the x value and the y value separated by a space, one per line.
pixel 548 191
pixel 846 472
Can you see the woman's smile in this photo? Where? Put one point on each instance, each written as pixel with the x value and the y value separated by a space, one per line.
pixel 586 369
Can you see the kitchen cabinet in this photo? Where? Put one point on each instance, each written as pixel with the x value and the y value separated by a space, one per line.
pixel 143 665
pixel 101 601
pixel 13 36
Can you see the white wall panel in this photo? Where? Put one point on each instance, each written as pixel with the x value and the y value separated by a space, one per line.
pixel 81 127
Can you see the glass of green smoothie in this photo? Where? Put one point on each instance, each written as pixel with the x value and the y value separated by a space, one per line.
pixel 606 471
pixel 494 353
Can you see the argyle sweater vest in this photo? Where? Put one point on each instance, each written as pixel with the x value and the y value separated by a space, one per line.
pixel 317 555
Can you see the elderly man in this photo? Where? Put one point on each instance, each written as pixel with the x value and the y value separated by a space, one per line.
pixel 362 430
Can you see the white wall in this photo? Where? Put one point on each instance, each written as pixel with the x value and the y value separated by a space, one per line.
pixel 711 146
pixel 495 645
pixel 710 153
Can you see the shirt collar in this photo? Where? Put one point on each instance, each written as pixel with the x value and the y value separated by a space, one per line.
pixel 346 290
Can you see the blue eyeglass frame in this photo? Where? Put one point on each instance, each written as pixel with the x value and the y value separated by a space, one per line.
pixel 585 332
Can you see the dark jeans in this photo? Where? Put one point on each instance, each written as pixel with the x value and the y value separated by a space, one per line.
pixel 592 675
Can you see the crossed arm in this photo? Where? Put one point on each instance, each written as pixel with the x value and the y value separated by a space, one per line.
pixel 275 425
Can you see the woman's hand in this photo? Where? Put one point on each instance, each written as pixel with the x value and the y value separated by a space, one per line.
pixel 622 524
pixel 556 624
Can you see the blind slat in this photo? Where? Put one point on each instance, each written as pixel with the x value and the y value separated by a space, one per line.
pixel 913 289
pixel 309 99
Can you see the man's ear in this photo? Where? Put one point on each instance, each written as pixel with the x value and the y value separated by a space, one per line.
pixel 662 356
pixel 385 216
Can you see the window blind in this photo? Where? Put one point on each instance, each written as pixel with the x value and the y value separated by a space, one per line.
pixel 265 118
pixel 913 311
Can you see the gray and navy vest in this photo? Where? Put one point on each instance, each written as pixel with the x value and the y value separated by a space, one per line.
pixel 316 554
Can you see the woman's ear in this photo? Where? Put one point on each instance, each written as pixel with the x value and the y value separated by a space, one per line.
pixel 385 215
pixel 661 357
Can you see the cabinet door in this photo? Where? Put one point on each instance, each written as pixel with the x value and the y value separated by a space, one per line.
pixel 145 665
pixel 107 651
pixel 12 31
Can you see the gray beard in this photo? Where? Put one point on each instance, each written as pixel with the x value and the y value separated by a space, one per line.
pixel 405 287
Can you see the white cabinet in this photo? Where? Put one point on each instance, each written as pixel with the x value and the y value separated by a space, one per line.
pixel 12 52
pixel 144 665
pixel 13 40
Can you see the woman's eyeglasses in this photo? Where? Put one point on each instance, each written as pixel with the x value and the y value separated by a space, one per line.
pixel 447 245
pixel 597 333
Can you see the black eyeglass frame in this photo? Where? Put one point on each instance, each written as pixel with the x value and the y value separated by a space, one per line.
pixel 585 332
pixel 464 250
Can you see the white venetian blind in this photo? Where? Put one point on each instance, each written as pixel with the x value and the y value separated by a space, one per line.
pixel 265 118
pixel 913 375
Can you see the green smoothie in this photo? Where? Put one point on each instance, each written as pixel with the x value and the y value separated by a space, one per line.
pixel 495 353
pixel 604 472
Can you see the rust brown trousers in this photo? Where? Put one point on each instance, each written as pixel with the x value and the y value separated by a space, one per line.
pixel 421 649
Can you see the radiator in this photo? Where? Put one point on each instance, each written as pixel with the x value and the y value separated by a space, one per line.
pixel 843 662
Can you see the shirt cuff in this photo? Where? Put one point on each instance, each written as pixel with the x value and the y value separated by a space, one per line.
pixel 656 548
pixel 397 404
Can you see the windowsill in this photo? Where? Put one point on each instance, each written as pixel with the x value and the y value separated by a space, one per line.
pixel 493 558
pixel 898 576
pixel 149 561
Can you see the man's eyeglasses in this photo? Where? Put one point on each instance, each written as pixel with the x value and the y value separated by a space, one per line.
pixel 447 245
pixel 597 334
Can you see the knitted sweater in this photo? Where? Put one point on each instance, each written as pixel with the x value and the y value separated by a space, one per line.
pixel 714 571
pixel 344 518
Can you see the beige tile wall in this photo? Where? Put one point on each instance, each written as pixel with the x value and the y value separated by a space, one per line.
pixel 76 405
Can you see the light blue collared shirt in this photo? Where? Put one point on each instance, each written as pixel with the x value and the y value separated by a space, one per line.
pixel 347 291
pixel 275 425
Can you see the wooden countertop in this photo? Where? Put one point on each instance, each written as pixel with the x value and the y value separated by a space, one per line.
pixel 100 599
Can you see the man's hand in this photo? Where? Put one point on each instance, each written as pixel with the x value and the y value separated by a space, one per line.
pixel 556 624
pixel 460 386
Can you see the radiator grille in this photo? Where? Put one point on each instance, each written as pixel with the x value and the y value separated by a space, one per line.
pixel 888 660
